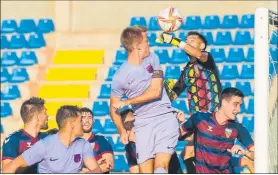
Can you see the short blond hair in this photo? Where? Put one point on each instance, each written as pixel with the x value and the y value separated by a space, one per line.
pixel 130 35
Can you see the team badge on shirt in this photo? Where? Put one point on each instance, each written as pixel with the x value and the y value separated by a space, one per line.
pixel 228 132
pixel 77 158
pixel 150 68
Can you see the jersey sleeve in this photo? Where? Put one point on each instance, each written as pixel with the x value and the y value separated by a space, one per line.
pixel 190 125
pixel 35 154
pixel 210 63
pixel 244 137
pixel 117 87
pixel 87 151
pixel 155 63
pixel 180 85
pixel 10 146
pixel 105 146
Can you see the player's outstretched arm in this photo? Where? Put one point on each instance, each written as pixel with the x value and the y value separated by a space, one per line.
pixel 18 162
pixel 92 166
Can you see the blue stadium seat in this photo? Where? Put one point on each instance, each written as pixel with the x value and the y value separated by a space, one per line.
pixel 138 21
pixel 105 91
pixel 242 108
pixel 6 110
pixel 18 41
pixel 100 108
pixel 223 38
pixel 4 42
pixel 178 57
pixel 180 105
pixel 5 76
pixel 211 22
pixel 111 72
pixel 250 55
pixel 10 92
pixel 151 38
pixel 35 41
pixel 243 38
pixel 182 163
pixel 236 55
pixel 183 94
pixel 119 147
pixel 120 164
pixel 273 53
pixel 229 72
pixel 163 55
pixel 180 145
pixel 19 75
pixel 28 58
pixel 27 26
pixel 248 122
pixel 218 54
pixel 192 23
pixel 121 56
pixel 110 140
pixel 250 108
pixel 8 26
pixel 225 85
pixel 229 22
pixel 247 21
pixel 245 87
pixel 273 67
pixel 97 127
pixel 153 23
pixel 45 25
pixel 9 59
pixel 172 72
pixel 274 38
pixel 209 37
pixel 109 127
pixel 183 36
pixel 247 72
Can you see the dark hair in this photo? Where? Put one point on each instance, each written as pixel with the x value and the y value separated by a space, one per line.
pixel 65 112
pixel 31 107
pixel 230 92
pixel 200 36
pixel 85 109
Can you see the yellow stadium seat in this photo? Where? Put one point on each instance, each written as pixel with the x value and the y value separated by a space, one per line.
pixel 64 91
pixel 74 74
pixel 52 107
pixel 79 57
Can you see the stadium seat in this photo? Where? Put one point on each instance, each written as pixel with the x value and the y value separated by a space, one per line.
pixel 248 122
pixel 9 59
pixel 8 26
pixel 10 92
pixel 178 57
pixel 111 141
pixel 211 22
pixel 183 36
pixel 4 42
pixel 101 108
pixel 172 72
pixel 243 38
pixel 120 164
pixel 111 72
pixel 18 41
pixel 247 21
pixel 242 108
pixel 229 22
pixel 223 38
pixel 53 106
pixel 182 163
pixel 71 74
pixel 250 55
pixel 97 127
pixel 209 37
pixel 183 94
pixel 250 108
pixel 27 26
pixel 105 91
pixel 151 38
pixel 245 87
pixel 192 23
pixel 119 147
pixel 64 91
pixel 180 145
pixel 6 110
pixel 273 67
pixel 19 75
pixel 236 55
pixel 163 55
pixel 36 41
pixel 247 72
pixel 274 38
pixel 229 72
pixel 121 56
pixel 79 57
pixel 180 105
pixel 28 58
pixel 138 21
pixel 225 85
pixel 274 53
pixel 153 23
pixel 218 54
pixel 45 26
pixel 109 127
pixel 5 76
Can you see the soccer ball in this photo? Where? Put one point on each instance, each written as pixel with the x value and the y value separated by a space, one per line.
pixel 169 19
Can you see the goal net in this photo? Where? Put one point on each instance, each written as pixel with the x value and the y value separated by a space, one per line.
pixel 266 97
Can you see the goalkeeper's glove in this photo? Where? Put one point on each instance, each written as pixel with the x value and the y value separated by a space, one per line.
pixel 169 39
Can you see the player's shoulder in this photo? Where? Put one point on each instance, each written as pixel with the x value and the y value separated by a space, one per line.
pixel 42 135
pixel 13 137
pixel 203 115
pixel 100 137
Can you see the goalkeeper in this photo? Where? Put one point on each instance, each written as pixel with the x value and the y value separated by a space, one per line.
pixel 200 77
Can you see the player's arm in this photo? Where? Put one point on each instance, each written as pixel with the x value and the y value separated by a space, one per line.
pixel 107 153
pixel 245 138
pixel 89 160
pixel 14 165
pixel 168 38
pixel 188 127
pixel 114 115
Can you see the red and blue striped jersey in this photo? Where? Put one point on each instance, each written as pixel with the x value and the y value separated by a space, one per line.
pixel 212 141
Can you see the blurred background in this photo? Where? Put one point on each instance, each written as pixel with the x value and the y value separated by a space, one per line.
pixel 67 52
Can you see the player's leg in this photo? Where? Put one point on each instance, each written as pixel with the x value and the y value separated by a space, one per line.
pixel 147 166
pixel 174 165
pixel 130 149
